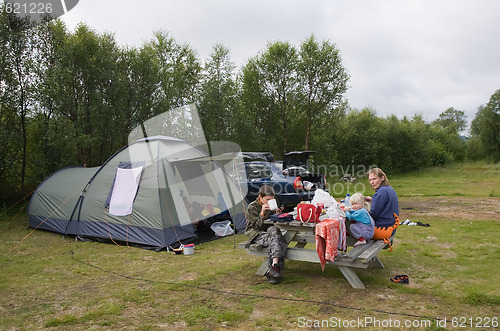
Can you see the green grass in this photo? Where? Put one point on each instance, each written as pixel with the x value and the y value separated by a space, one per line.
pixel 456 180
pixel 459 250
pixel 462 180
pixel 56 283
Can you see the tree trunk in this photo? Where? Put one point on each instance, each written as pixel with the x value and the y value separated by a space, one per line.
pixel 308 130
pixel 22 115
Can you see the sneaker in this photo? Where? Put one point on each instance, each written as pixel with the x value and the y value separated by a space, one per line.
pixel 402 279
pixel 271 279
pixel 275 271
pixel 359 242
pixel 273 274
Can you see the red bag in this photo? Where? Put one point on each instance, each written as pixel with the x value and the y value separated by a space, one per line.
pixel 308 213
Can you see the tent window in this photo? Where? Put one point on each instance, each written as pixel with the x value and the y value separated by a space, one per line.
pixel 125 186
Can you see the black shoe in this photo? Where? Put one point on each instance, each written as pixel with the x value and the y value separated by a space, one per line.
pixel 275 271
pixel 274 274
pixel 271 279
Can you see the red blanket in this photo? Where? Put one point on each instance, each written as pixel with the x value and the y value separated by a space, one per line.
pixel 327 238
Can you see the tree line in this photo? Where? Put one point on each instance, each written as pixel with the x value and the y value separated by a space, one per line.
pixel 71 98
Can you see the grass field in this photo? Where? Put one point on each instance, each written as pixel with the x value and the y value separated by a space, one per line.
pixel 53 282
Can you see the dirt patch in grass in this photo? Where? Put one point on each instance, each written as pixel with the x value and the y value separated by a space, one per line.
pixel 449 207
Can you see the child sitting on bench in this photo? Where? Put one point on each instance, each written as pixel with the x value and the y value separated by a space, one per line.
pixel 363 226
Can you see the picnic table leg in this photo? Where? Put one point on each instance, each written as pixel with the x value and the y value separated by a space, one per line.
pixel 262 269
pixel 351 277
pixel 288 236
pixel 376 263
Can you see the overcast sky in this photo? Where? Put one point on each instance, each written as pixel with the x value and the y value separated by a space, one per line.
pixel 405 57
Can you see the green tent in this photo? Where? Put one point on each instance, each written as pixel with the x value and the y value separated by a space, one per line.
pixel 154 193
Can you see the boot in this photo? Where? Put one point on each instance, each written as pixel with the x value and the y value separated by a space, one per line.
pixel 273 274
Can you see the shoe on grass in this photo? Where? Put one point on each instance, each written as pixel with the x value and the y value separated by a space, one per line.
pixel 272 279
pixel 275 271
pixel 401 279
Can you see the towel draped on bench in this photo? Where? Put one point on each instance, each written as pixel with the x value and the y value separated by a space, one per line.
pixel 327 240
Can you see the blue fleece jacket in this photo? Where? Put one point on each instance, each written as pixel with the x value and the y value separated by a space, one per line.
pixel 360 215
pixel 384 205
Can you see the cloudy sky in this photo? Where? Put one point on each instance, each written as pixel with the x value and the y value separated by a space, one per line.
pixel 405 57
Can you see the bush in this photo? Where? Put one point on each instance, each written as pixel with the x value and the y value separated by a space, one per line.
pixel 439 155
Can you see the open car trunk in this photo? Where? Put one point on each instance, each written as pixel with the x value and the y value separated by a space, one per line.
pixel 297 164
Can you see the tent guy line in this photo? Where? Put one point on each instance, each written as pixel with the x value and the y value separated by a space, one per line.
pixel 325 303
pixel 109 232
pixel 27 195
pixel 53 212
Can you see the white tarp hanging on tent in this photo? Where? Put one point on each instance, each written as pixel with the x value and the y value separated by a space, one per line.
pixel 124 191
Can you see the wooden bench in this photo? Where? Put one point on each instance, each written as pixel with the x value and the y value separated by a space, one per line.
pixel 361 256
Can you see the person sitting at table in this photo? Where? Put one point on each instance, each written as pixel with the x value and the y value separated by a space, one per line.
pixel 266 235
pixel 384 203
pixel 363 226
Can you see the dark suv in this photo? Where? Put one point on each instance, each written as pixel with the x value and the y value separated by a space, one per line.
pixel 291 179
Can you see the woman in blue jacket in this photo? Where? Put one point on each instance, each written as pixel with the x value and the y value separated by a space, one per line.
pixel 384 203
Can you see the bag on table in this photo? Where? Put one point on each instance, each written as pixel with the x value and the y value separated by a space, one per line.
pixel 308 213
pixel 283 217
pixel 323 197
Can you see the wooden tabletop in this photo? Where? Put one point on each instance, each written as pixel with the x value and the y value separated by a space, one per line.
pixel 291 223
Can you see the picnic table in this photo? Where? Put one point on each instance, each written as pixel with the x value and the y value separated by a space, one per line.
pixel 297 235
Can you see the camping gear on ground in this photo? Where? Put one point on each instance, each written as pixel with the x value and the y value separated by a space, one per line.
pixel 153 193
pixel 178 251
pixel 308 213
pixel 410 223
pixel 189 249
pixel 222 229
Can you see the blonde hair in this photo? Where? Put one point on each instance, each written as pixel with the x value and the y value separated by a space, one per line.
pixel 379 173
pixel 359 198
